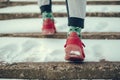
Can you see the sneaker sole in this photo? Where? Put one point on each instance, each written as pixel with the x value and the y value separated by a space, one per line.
pixel 48 32
pixel 72 56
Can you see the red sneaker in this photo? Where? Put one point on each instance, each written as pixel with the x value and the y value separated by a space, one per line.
pixel 74 48
pixel 48 27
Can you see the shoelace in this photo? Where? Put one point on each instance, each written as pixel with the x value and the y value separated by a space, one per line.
pixel 81 42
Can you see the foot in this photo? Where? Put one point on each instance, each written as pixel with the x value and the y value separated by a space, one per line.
pixel 74 48
pixel 48 23
pixel 48 27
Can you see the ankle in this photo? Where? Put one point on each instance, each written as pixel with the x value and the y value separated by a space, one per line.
pixel 75 29
pixel 46 15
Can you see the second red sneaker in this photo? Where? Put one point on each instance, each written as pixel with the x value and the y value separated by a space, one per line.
pixel 74 48
pixel 48 27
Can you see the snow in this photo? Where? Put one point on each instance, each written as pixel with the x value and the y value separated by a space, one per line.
pixel 59 8
pixel 92 24
pixel 45 50
pixel 52 50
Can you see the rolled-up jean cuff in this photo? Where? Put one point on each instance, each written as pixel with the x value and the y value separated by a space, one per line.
pixel 77 22
pixel 46 8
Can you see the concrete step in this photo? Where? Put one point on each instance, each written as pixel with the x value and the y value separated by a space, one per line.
pixel 63 35
pixel 61 70
pixel 6 16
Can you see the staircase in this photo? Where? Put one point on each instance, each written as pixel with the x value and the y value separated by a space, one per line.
pixel 61 70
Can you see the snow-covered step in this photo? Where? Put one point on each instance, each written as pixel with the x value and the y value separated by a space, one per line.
pixel 21 3
pixel 33 11
pixel 92 24
pixel 59 8
pixel 52 50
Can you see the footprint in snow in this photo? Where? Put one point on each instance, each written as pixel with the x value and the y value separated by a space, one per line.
pixel 56 55
pixel 101 26
pixel 98 51
pixel 8 51
pixel 29 45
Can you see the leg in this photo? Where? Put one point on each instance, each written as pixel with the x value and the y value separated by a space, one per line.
pixel 45 5
pixel 76 14
pixel 76 10
pixel 48 19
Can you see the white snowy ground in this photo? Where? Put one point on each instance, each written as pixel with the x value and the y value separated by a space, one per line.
pixel 59 8
pixel 45 50
pixel 92 24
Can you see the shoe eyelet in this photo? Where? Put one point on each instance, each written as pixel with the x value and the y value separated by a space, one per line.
pixel 76 29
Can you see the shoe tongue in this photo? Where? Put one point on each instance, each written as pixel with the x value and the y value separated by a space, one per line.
pixel 73 34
